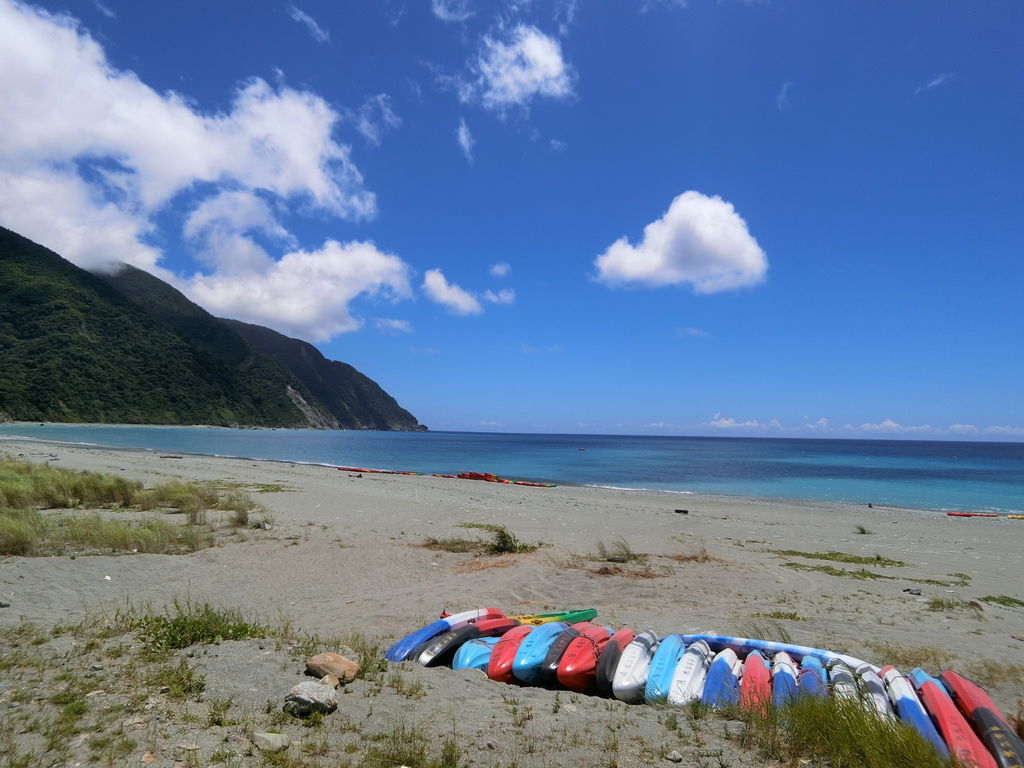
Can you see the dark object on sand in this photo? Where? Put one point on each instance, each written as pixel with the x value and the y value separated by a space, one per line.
pixel 682 511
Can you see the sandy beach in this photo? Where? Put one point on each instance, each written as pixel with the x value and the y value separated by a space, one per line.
pixel 344 553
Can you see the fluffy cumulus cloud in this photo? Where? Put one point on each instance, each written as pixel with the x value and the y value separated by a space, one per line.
pixel 700 241
pixel 890 427
pixel 306 293
pixel 501 269
pixel 92 158
pixel 513 69
pixel 458 300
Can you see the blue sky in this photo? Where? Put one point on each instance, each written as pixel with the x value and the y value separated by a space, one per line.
pixel 652 217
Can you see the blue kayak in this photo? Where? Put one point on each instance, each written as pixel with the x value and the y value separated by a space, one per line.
pixel 401 650
pixel 533 649
pixel 722 686
pixel 663 666
pixel 812 679
pixel 475 654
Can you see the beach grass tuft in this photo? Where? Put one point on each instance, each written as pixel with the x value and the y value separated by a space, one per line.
pixel 188 623
pixel 618 551
pixel 841 557
pixel 837 732
pixel 925 656
pixel 500 541
pixel 1004 600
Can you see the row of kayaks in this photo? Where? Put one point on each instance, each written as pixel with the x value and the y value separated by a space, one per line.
pixel 567 649
pixel 487 477
pixel 984 514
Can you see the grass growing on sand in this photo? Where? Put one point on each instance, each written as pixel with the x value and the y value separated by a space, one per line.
pixel 499 542
pixel 27 488
pixel 27 532
pixel 905 659
pixel 1004 600
pixel 840 557
pixel 190 623
pixel 837 732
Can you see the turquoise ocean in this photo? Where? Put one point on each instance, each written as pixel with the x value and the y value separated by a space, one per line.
pixel 920 474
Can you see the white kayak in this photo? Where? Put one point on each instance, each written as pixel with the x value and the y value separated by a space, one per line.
pixel 634 664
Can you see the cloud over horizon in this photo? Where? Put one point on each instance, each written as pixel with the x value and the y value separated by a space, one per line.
pixel 700 241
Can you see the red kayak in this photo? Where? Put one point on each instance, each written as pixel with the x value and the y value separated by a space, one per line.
pixel 756 683
pixel 963 745
pixel 605 673
pixel 500 666
pixel 578 665
pixel 972 514
pixel 995 731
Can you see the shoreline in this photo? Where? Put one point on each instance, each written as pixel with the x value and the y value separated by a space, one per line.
pixel 686 493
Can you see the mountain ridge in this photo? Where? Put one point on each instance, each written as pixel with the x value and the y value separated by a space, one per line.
pixel 126 347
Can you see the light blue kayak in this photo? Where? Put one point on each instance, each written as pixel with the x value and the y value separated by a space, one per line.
pixel 475 654
pixel 784 688
pixel 663 666
pixel 722 686
pixel 812 679
pixel 526 667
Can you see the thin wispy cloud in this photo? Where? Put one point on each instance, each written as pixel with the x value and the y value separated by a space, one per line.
pixel 465 139
pixel 935 82
pixel 317 32
pixel 501 269
pixel 105 10
pixel 376 117
pixel 692 333
pixel 782 98
pixel 451 10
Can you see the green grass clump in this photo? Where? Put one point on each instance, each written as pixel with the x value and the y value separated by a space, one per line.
pixel 841 557
pixel 939 604
pixel 1004 600
pixel 176 680
pixel 404 744
pixel 618 551
pixel 839 733
pixel 26 532
pixel 860 573
pixel 501 541
pixel 23 485
pixel 190 623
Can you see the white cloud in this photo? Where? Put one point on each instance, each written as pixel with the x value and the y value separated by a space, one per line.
pixel 61 103
pixel 451 10
pixel 501 269
pixel 782 98
pixel 458 301
pixel 504 296
pixel 317 32
pixel 565 15
pixel 219 228
pixel 511 71
pixel 105 10
pixel 376 117
pixel 91 156
pixel 692 333
pixel 725 422
pixel 935 82
pixel 821 425
pixel 700 240
pixel 306 293
pixel 1003 430
pixel 393 326
pixel 963 429
pixel 890 427
pixel 465 139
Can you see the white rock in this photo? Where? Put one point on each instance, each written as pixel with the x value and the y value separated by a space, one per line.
pixel 271 742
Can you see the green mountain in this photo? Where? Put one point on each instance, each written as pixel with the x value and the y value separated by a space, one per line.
pixel 128 348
